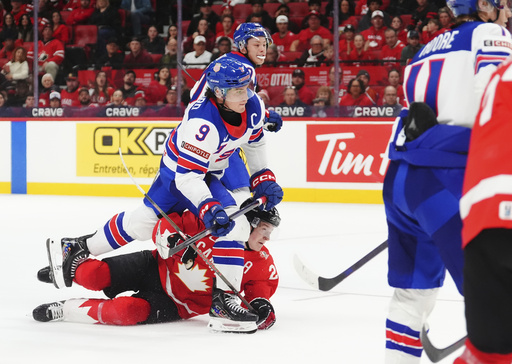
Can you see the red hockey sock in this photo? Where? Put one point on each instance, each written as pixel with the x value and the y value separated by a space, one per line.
pixel 472 355
pixel 93 274
pixel 121 311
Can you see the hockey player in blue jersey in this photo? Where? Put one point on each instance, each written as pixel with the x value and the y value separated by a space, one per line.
pixel 196 155
pixel 443 85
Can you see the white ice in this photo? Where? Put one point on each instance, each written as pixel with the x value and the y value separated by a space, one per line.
pixel 344 325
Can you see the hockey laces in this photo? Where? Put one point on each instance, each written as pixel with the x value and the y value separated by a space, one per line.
pixel 233 304
pixel 56 310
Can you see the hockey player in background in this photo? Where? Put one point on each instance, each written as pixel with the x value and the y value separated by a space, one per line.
pixel 486 211
pixel 196 155
pixel 166 290
pixel 443 86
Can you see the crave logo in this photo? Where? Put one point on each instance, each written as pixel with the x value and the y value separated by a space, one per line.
pixel 142 146
pixel 347 153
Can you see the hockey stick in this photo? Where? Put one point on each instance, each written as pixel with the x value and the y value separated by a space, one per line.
pixel 192 240
pixel 434 354
pixel 326 284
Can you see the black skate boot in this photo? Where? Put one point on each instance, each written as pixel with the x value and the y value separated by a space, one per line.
pixel 226 314
pixel 45 275
pixel 49 312
pixel 65 257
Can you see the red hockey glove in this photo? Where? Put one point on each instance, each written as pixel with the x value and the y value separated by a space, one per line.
pixel 266 313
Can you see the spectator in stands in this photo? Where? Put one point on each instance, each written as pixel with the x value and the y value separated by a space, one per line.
pixel 30 101
pixel 113 58
pixel 227 28
pixel 394 80
pixel 316 6
pixel 140 99
pixel 392 50
pixel 431 30
pixel 172 32
pixel 18 8
pixel 16 69
pixel 274 58
pixel 9 29
pixel 205 12
pixel 200 57
pixel 264 96
pixel 170 58
pixel 108 20
pixel 292 105
pixel 171 96
pixel 60 30
pixel 420 13
pixel 48 86
pixel 314 28
pixel 140 13
pixel 374 36
pixel 283 38
pixel 8 48
pixel 153 42
pixel 117 99
pixel 413 46
pixel 185 90
pixel 224 45
pixel 3 104
pixel 55 100
pixel 446 18
pixel 325 93
pixel 314 56
pixel 50 53
pixel 266 19
pixel 81 14
pixel 205 32
pixel 69 95
pixel 138 57
pixel 26 29
pixel 44 14
pixel 359 52
pixel 346 43
pixel 101 91
pixel 129 88
pixel 320 108
pixel 364 76
pixel 284 9
pixel 366 21
pixel 299 83
pixel 355 95
pixel 361 7
pixel 84 98
pixel 346 11
pixel 391 101
pixel 398 25
pixel 157 88
pixel 226 10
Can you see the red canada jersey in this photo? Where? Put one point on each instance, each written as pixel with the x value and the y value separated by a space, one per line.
pixel 487 192
pixel 69 98
pixel 191 290
pixel 376 37
pixel 283 44
pixel 51 51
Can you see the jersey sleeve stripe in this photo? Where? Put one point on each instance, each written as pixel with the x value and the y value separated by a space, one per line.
pixel 485 189
pixel 484 59
pixel 185 166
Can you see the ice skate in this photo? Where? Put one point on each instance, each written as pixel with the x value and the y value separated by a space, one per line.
pixel 45 275
pixel 49 312
pixel 64 258
pixel 226 314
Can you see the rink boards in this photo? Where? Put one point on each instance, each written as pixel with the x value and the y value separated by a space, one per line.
pixel 314 161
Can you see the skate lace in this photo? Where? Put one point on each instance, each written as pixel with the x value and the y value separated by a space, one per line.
pixel 56 311
pixel 233 304
pixel 78 259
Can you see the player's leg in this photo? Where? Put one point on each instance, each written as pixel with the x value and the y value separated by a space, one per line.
pixel 488 297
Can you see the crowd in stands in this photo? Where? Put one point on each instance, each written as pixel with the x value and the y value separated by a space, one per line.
pixel 102 36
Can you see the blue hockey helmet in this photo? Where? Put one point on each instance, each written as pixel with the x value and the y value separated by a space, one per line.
pixel 226 73
pixel 460 7
pixel 246 31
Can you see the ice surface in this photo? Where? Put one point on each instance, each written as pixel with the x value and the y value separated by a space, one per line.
pixel 344 325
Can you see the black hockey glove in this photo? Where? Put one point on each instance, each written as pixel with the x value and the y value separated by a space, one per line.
pixel 266 313
pixel 189 255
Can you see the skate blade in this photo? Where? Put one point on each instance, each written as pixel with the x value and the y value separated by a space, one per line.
pixel 54 250
pixel 218 324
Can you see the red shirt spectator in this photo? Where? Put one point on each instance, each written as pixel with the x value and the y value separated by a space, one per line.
pixel 374 36
pixel 346 44
pixel 356 95
pixel 392 50
pixel 305 35
pixel 69 95
pixel 298 81
pixel 283 38
pixel 138 57
pixel 157 89
pixel 77 4
pixel 18 9
pixel 81 14
pixel 358 53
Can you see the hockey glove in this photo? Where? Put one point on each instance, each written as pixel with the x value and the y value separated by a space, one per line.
pixel 273 121
pixel 264 183
pixel 215 217
pixel 266 313
pixel 163 245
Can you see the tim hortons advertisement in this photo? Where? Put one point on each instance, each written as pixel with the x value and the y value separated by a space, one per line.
pixel 142 145
pixel 352 153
